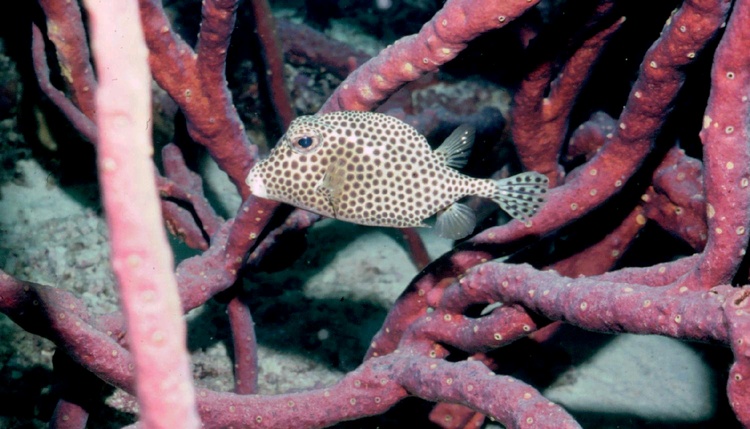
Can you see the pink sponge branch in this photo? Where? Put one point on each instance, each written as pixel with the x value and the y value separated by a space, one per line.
pixel 65 30
pixel 80 121
pixel 439 41
pixel 659 81
pixel 726 157
pixel 189 188
pixel 369 390
pixel 513 403
pixel 540 123
pixel 304 45
pixel 676 201
pixel 604 254
pixel 727 163
pixel 196 82
pixel 245 346
pixel 270 49
pixel 596 305
pixel 141 257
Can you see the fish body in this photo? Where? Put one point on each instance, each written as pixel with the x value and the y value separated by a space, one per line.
pixel 374 169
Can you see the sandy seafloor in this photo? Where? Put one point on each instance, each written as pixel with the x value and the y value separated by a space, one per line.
pixel 314 319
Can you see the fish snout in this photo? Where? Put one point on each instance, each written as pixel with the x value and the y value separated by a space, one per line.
pixel 256 184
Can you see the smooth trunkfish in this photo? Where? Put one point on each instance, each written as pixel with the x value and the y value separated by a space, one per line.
pixel 374 169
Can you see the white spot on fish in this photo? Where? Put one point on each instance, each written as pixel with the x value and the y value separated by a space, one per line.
pixel 256 185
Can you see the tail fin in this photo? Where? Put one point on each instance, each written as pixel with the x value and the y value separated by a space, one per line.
pixel 521 195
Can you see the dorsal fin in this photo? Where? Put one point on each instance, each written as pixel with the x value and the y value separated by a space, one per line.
pixel 456 148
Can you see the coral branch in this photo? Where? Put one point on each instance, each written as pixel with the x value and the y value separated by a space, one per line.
pixel 245 347
pixel 274 64
pixel 68 416
pixel 739 326
pixel 725 135
pixel 676 201
pixel 190 188
pixel 412 304
pixel 541 123
pixel 473 385
pixel 590 136
pixel 726 159
pixel 81 122
pixel 439 41
pixel 65 30
pixel 417 250
pixel 597 305
pixel 303 45
pixel 180 222
pixel 211 117
pixel 141 256
pixel 503 326
pixel 445 338
pixel 76 386
pixel 600 257
pixel 660 78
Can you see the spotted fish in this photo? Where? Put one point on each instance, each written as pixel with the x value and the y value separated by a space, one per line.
pixel 374 169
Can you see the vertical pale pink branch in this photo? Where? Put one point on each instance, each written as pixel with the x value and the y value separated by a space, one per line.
pixel 141 257
pixel 439 41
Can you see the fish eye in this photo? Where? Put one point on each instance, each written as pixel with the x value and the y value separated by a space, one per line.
pixel 305 142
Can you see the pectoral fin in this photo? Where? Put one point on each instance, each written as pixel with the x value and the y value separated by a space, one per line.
pixel 331 186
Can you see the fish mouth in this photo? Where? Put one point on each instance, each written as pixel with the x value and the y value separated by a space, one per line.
pixel 256 184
